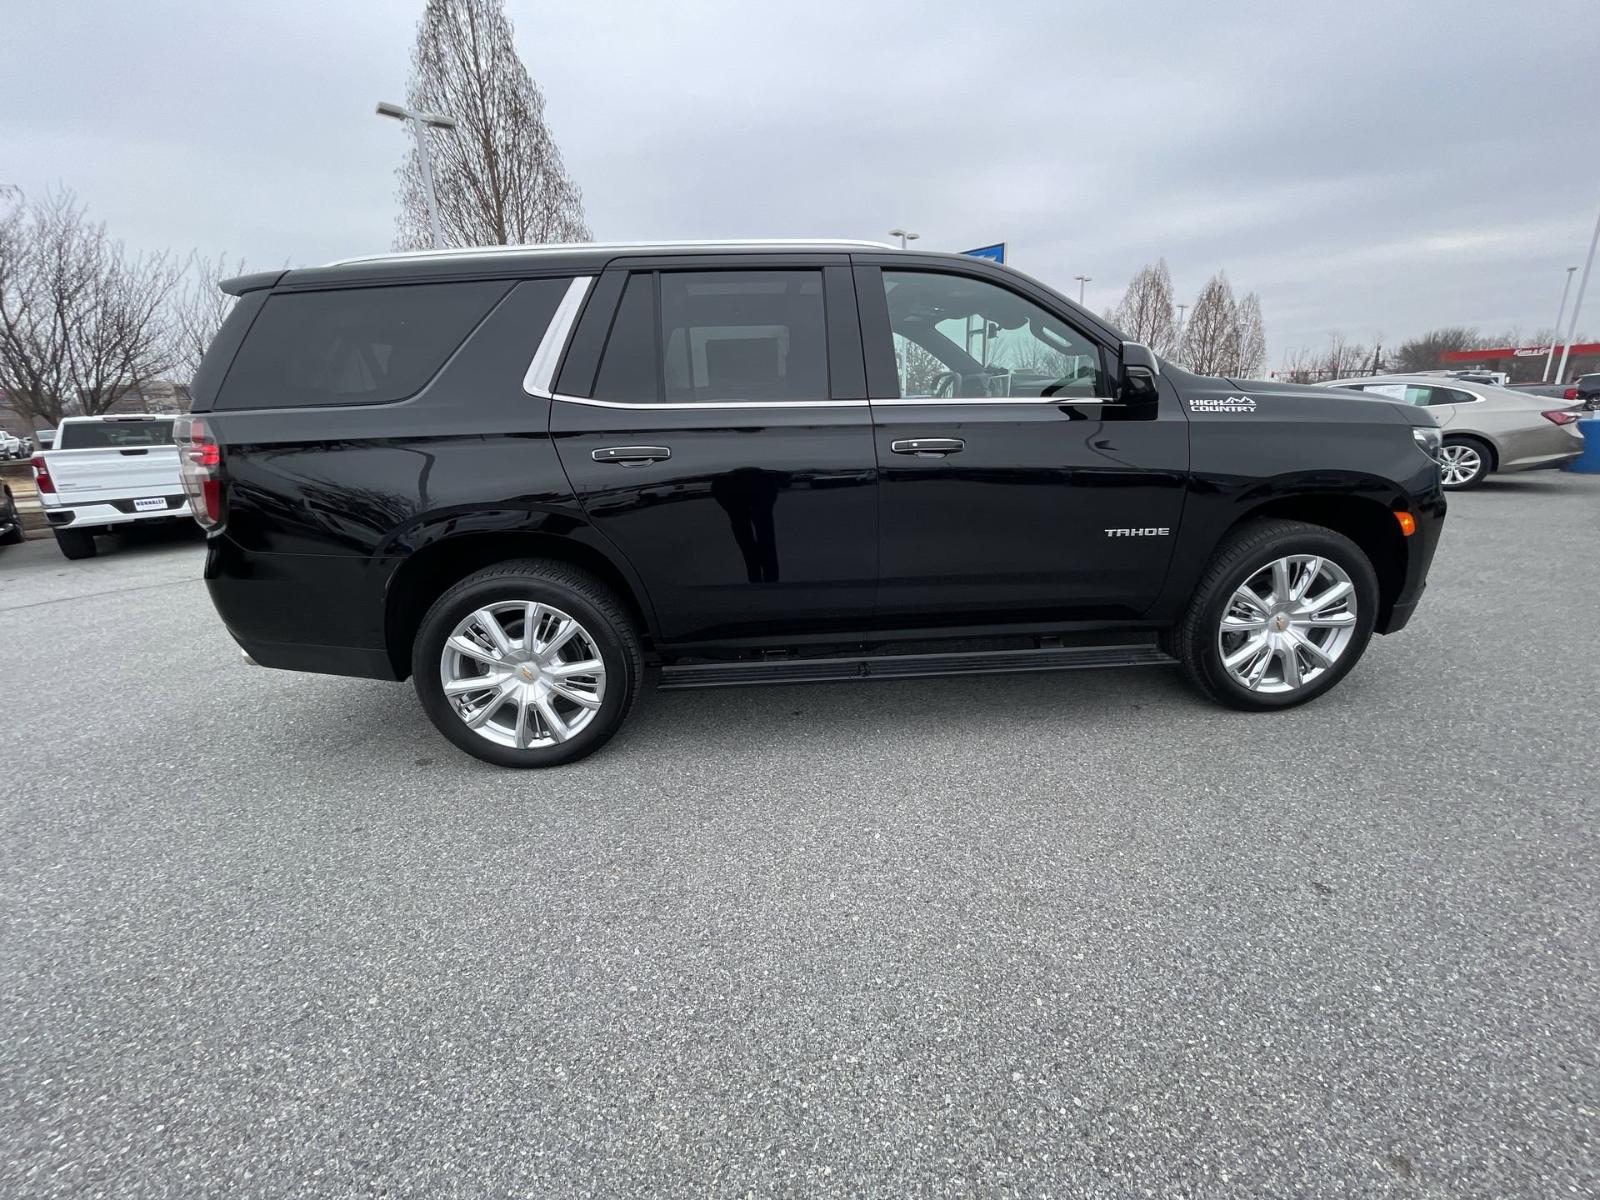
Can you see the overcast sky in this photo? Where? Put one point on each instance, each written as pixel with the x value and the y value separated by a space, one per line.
pixel 1370 168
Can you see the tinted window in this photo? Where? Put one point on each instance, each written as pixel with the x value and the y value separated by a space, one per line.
pixel 628 368
pixel 354 346
pixel 116 434
pixel 743 335
pixel 1419 394
pixel 955 336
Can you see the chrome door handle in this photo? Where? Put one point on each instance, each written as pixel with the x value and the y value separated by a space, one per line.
pixel 928 447
pixel 630 456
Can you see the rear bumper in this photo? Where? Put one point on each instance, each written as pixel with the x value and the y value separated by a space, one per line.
pixel 303 612
pixel 113 512
pixel 1547 462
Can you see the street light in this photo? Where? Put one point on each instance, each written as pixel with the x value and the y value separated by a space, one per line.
pixel 1083 281
pixel 1556 336
pixel 904 236
pixel 420 121
pixel 1583 286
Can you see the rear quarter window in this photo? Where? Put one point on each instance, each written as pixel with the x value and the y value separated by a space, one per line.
pixel 353 346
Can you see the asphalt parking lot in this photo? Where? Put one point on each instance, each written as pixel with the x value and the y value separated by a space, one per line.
pixel 1065 935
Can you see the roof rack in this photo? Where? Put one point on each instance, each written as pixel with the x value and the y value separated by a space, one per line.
pixel 567 247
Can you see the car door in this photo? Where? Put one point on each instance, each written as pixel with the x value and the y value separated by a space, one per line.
pixel 1015 487
pixel 711 416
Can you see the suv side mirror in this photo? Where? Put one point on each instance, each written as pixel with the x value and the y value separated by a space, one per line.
pixel 1140 370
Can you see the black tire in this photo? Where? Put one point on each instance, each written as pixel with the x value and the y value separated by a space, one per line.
pixel 14 536
pixel 593 605
pixel 1485 455
pixel 1241 555
pixel 76 543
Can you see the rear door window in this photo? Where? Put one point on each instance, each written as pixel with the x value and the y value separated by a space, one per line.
pixel 116 434
pixel 353 346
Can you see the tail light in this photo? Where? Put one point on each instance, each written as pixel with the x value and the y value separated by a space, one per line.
pixel 1560 418
pixel 200 469
pixel 41 475
pixel 1570 394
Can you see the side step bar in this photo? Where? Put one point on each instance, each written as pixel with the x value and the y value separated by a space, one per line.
pixel 911 666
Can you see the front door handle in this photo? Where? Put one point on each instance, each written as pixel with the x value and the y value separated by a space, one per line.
pixel 630 456
pixel 928 447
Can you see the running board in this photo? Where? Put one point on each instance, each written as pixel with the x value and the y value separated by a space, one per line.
pixel 911 666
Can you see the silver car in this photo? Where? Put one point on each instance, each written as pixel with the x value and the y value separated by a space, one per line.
pixel 1485 428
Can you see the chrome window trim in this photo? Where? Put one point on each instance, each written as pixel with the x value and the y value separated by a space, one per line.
pixel 901 401
pixel 540 375
pixel 710 404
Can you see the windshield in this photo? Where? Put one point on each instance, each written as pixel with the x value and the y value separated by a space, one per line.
pixel 116 435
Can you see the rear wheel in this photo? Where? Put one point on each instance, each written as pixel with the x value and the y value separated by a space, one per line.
pixel 529 663
pixel 1283 613
pixel 76 543
pixel 1464 463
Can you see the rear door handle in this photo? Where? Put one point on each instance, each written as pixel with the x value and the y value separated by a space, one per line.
pixel 630 456
pixel 928 447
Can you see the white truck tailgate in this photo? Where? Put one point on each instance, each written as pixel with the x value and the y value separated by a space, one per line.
pixel 122 471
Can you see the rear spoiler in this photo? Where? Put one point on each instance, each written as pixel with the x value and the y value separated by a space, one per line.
pixel 240 284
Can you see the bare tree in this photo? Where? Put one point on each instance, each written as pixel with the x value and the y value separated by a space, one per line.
pixel 81 321
pixel 1210 337
pixel 499 177
pixel 1251 340
pixel 198 309
pixel 1146 312
pixel 1426 352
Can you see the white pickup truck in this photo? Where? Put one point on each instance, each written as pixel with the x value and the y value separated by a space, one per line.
pixel 106 473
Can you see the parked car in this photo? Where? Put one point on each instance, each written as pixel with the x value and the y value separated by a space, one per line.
pixel 10 445
pixel 520 476
pixel 105 474
pixel 44 438
pixel 1485 429
pixel 10 520
pixel 1586 390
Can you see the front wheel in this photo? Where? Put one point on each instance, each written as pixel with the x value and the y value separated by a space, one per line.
pixel 529 663
pixel 1282 614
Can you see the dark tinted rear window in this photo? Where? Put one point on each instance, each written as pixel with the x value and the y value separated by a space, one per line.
pixel 356 346
pixel 99 435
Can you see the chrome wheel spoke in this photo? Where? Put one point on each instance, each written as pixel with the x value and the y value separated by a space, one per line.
pixel 577 695
pixel 1245 653
pixel 589 666
pixel 564 633
pixel 1233 623
pixel 1328 620
pixel 1290 659
pixel 491 627
pixel 532 613
pixel 552 721
pixel 1328 598
pixel 1308 576
pixel 490 706
pixel 1246 597
pixel 468 684
pixel 1258 668
pixel 466 646
pixel 1280 581
pixel 1317 655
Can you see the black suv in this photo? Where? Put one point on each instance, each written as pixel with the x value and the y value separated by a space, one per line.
pixel 522 476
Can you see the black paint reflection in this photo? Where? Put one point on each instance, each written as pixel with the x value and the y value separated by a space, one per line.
pixel 748 495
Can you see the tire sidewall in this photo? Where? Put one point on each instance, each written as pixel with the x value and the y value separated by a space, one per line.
pixel 457 603
pixel 1329 545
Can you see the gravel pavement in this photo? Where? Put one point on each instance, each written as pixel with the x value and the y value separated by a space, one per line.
pixel 1071 935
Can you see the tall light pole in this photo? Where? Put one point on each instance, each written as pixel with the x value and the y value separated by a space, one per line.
pixel 1556 335
pixel 904 236
pixel 420 123
pixel 1083 281
pixel 1177 335
pixel 1577 304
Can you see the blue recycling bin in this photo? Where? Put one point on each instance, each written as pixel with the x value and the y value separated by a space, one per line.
pixel 1589 461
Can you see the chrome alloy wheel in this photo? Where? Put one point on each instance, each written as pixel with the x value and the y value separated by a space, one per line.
pixel 1288 623
pixel 522 674
pixel 1459 463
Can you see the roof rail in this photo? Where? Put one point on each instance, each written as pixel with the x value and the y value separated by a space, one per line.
pixel 558 247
